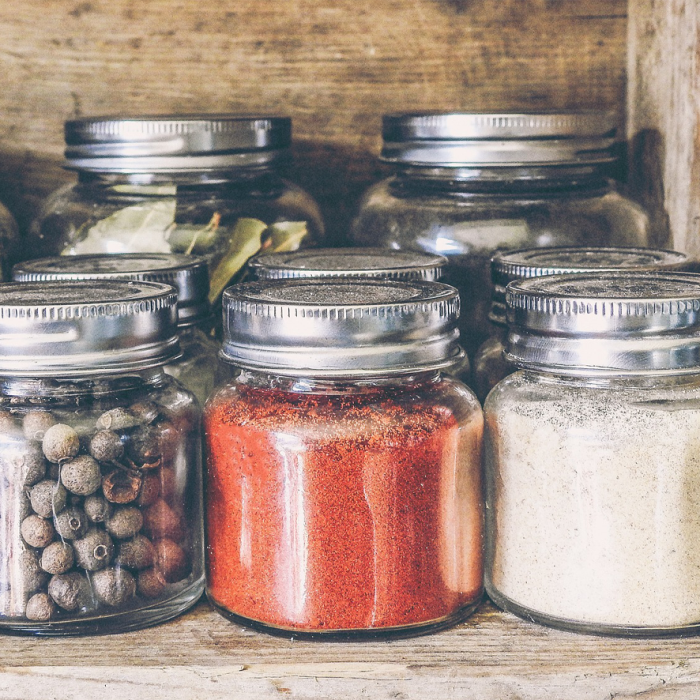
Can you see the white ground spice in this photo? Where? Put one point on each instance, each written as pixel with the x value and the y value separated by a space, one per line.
pixel 596 502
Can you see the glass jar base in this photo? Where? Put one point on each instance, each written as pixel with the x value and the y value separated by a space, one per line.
pixel 352 635
pixel 111 623
pixel 595 628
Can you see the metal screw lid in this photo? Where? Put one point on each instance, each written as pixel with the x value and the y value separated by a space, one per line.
pixel 175 143
pixel 189 275
pixel 526 263
pixel 339 327
pixel 606 323
pixel 64 329
pixel 505 140
pixel 349 262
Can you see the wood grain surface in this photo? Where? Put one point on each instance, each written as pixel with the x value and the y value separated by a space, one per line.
pixel 493 656
pixel 334 65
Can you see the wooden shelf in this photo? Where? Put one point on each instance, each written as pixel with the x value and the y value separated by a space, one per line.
pixel 492 656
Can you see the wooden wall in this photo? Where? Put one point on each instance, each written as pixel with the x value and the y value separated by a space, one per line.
pixel 334 65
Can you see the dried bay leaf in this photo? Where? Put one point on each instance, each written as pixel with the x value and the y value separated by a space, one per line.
pixel 286 236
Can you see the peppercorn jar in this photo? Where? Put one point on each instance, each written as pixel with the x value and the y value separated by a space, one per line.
pixel 203 184
pixel 469 185
pixel 593 480
pixel 343 495
pixel 100 495
pixel 196 366
pixel 490 365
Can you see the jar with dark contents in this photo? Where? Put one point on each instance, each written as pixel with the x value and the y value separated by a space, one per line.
pixel 343 468
pixel 469 185
pixel 207 185
pixel 100 496
pixel 196 366
pixel 490 364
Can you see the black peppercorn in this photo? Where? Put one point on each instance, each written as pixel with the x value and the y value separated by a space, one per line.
pixel 36 423
pixel 114 586
pixel 40 608
pixel 94 551
pixel 48 497
pixel 71 523
pixel 117 419
pixel 60 443
pixel 81 475
pixel 37 531
pixel 106 446
pixel 57 558
pixel 97 508
pixel 136 554
pixel 124 522
pixel 70 591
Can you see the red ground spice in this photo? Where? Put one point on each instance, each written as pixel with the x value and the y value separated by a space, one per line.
pixel 342 512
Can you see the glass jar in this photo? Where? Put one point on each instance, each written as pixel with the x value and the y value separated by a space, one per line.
pixel 100 495
pixel 9 243
pixel 343 469
pixel 469 185
pixel 593 482
pixel 206 184
pixel 196 366
pixel 490 365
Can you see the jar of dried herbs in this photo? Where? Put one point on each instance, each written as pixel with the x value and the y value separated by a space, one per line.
pixel 469 185
pixel 196 366
pixel 100 450
pixel 208 185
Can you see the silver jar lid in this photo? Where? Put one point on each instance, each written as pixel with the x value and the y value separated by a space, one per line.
pixel 526 263
pixel 175 143
pixel 349 262
pixel 189 275
pixel 493 140
pixel 606 323
pixel 341 328
pixel 65 329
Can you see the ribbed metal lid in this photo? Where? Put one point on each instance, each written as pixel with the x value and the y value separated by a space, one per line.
pixel 526 263
pixel 606 323
pixel 337 327
pixel 474 139
pixel 63 329
pixel 187 273
pixel 179 143
pixel 349 262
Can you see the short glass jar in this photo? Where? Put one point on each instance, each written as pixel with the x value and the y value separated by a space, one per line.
pixel 469 185
pixel 593 477
pixel 343 468
pixel 490 365
pixel 100 496
pixel 196 365
pixel 203 184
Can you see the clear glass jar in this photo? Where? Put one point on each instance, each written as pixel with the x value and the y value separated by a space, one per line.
pixel 196 366
pixel 490 365
pixel 100 499
pixel 469 185
pixel 208 185
pixel 343 469
pixel 593 484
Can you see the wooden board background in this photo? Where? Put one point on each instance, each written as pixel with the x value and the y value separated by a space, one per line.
pixel 334 65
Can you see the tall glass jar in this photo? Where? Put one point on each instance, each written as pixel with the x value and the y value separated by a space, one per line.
pixel 469 185
pixel 490 365
pixel 196 365
pixel 343 468
pixel 100 496
pixel 202 184
pixel 593 477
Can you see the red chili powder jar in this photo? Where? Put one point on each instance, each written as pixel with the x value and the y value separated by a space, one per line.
pixel 344 469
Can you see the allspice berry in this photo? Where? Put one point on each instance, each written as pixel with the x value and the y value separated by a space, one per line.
pixel 143 446
pixel 48 497
pixel 37 531
pixel 23 463
pixel 57 558
pixel 145 411
pixel 121 487
pixel 106 446
pixel 171 560
pixel 71 523
pixel 124 522
pixel 33 576
pixel 114 586
pixel 160 520
pixel 81 475
pixel 117 419
pixel 40 608
pixel 150 489
pixel 36 423
pixel 136 554
pixel 70 591
pixel 8 425
pixel 94 551
pixel 151 583
pixel 168 439
pixel 60 443
pixel 97 508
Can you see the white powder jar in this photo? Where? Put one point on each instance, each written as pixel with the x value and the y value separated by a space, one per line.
pixel 593 455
